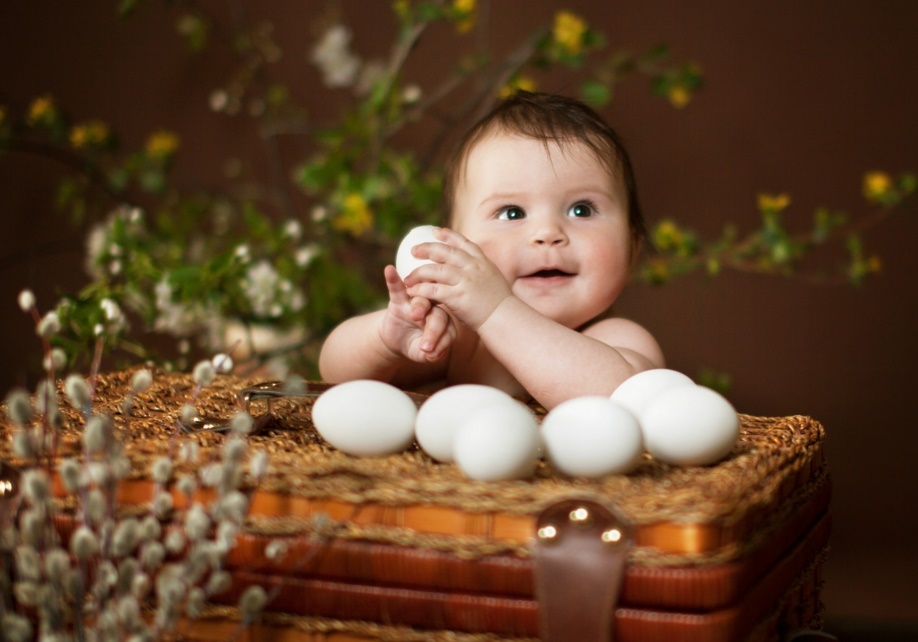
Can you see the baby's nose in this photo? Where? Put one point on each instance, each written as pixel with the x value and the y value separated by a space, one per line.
pixel 549 234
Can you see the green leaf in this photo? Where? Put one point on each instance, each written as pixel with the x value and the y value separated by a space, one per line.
pixel 595 93
pixel 126 8
pixel 659 52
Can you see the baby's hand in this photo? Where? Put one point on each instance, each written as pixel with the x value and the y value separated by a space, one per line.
pixel 413 327
pixel 462 278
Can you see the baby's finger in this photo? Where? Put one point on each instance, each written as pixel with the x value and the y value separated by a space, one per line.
pixel 398 293
pixel 419 308
pixel 434 328
pixel 446 254
pixel 452 238
pixel 445 340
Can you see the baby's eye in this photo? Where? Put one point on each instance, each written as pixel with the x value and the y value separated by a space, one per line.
pixel 581 210
pixel 511 213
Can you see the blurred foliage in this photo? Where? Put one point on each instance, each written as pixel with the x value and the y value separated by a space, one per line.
pixel 195 264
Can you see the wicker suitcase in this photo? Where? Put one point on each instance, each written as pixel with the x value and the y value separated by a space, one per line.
pixel 404 548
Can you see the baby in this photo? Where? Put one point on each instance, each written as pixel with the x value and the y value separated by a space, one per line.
pixel 543 230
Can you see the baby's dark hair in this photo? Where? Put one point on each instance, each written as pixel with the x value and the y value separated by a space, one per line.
pixel 551 119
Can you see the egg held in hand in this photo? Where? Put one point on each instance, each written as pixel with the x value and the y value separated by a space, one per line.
pixel 405 261
pixel 638 391
pixel 690 426
pixel 441 414
pixel 365 418
pixel 591 437
pixel 498 442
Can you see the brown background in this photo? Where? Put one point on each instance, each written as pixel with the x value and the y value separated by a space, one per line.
pixel 801 97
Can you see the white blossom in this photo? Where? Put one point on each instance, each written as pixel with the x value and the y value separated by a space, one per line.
pixel 223 363
pixel 251 602
pixel 241 423
pixel 332 55
pixel 26 300
pixel 56 359
pixel 180 318
pixel 305 254
pixel 150 528
pixel 152 555
pixel 57 563
pixel 94 434
pixel 83 543
pixel 189 414
pixel 242 252
pixel 113 314
pixel 96 242
pixel 204 373
pixel 293 230
pixel 411 94
pixel 141 381
pixel 36 485
pixel 49 325
pixel 218 100
pixel 258 465
pixel 77 391
pixel 19 407
pixel 126 537
pixel 197 523
pixel 162 470
pixel 276 549
pixel 219 582
pixel 70 472
pixel 260 288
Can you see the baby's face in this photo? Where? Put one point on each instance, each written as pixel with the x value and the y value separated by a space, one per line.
pixel 553 221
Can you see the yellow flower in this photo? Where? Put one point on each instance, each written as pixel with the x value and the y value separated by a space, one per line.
pixel 773 202
pixel 877 185
pixel 568 31
pixel 162 144
pixel 657 271
pixel 517 83
pixel 41 110
pixel 356 216
pixel 401 7
pixel 93 132
pixel 667 236
pixel 679 96
pixel 466 11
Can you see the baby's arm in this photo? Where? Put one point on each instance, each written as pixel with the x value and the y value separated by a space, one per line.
pixel 552 362
pixel 403 344
pixel 555 363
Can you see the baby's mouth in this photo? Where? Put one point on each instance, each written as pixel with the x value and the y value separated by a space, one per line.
pixel 548 274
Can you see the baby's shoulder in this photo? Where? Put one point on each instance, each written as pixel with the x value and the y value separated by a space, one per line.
pixel 619 332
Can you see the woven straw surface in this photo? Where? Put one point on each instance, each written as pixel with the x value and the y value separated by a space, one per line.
pixel 769 456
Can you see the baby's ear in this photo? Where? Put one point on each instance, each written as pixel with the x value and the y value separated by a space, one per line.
pixel 636 243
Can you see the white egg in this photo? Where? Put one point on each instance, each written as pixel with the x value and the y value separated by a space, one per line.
pixel 498 442
pixel 690 426
pixel 365 418
pixel 440 416
pixel 636 392
pixel 405 262
pixel 591 437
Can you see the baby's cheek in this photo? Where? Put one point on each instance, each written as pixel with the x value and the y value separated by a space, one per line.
pixel 500 257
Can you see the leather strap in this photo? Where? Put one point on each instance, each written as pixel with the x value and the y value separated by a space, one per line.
pixel 580 554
